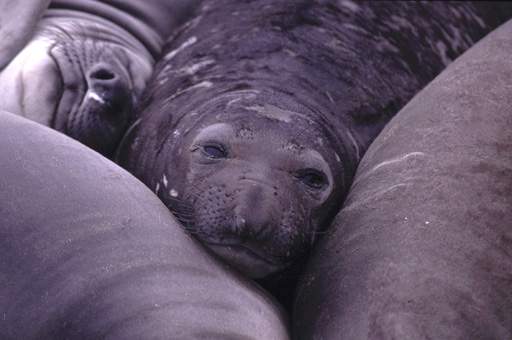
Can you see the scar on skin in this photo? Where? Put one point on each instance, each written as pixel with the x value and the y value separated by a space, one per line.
pixel 192 69
pixel 375 196
pixel 274 112
pixel 205 84
pixel 187 43
pixel 397 159
pixel 386 163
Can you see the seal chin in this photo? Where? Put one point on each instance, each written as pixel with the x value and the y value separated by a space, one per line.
pixel 245 260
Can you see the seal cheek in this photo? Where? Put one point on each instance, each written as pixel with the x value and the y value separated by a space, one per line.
pixel 38 84
pixel 42 90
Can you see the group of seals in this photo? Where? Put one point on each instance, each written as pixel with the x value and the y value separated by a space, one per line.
pixel 259 112
pixel 253 147
pixel 422 248
pixel 85 63
pixel 88 252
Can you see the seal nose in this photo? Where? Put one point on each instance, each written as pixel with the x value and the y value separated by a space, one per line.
pixel 101 118
pixel 101 74
pixel 108 86
pixel 253 214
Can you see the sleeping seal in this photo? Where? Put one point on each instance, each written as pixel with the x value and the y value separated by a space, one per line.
pixel 85 62
pixel 259 111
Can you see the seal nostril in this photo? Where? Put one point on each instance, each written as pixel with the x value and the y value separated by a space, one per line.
pixel 102 74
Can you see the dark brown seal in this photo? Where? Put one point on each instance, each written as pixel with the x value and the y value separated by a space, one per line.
pixel 259 111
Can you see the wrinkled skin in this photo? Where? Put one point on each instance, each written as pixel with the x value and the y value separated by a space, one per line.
pixel 257 115
pixel 86 65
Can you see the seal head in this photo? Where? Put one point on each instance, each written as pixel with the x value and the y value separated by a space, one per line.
pixel 254 183
pixel 259 112
pixel 81 75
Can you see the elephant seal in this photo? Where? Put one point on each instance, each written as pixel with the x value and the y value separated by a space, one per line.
pixel 18 22
pixel 259 111
pixel 85 64
pixel 422 248
pixel 88 252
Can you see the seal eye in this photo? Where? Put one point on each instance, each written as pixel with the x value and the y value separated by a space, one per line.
pixel 312 178
pixel 214 151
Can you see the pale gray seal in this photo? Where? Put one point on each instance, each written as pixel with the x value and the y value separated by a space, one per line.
pixel 81 68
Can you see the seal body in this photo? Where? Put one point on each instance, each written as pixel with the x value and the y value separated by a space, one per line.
pixel 85 64
pixel 88 252
pixel 259 111
pixel 421 249
pixel 18 24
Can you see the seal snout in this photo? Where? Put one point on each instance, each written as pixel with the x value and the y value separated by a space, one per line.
pixel 101 73
pixel 100 119
pixel 254 213
pixel 107 86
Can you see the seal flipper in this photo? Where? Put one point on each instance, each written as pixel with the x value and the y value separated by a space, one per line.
pixel 18 20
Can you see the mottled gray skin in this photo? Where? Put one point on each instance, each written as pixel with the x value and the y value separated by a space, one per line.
pixel 422 248
pixel 84 65
pixel 258 113
pixel 88 252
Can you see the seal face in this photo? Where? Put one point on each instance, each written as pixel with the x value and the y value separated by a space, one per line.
pixel 98 91
pixel 80 75
pixel 258 113
pixel 254 183
pixel 254 188
pixel 82 68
